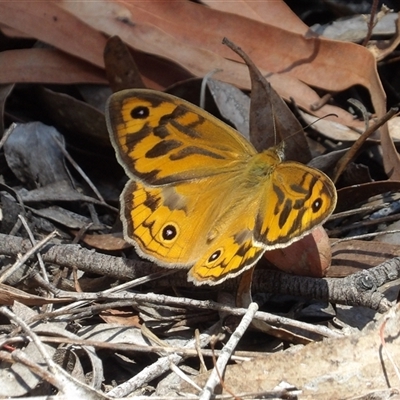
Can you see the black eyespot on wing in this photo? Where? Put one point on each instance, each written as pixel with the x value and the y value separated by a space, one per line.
pixel 169 232
pixel 317 204
pixel 214 256
pixel 140 112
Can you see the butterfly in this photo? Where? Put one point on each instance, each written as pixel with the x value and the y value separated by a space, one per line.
pixel 199 195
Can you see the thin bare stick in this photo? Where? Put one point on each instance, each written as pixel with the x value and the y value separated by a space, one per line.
pixel 7 134
pixel 33 241
pixel 159 367
pixel 352 152
pixel 371 22
pixel 26 256
pixel 115 347
pixel 282 322
pixel 227 351
pixel 365 236
pixel 122 287
pixel 80 170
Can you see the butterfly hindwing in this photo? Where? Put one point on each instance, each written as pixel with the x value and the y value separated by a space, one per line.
pixel 297 198
pixel 227 257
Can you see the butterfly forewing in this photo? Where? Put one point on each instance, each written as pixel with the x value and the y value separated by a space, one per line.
pixel 161 139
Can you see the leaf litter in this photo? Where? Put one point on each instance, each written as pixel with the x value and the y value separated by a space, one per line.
pixel 144 333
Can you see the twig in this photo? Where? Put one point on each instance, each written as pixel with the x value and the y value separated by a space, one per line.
pixel 203 367
pixel 264 281
pixel 366 236
pixel 352 152
pixel 47 358
pixel 115 289
pixel 363 224
pixel 371 22
pixel 364 209
pixel 117 347
pixel 33 241
pixel 56 375
pixel 7 134
pixel 47 307
pixel 26 256
pixel 80 170
pixel 226 353
pixel 158 368
pixel 282 322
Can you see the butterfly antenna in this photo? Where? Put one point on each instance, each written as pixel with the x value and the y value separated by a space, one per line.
pixel 319 119
pixel 312 123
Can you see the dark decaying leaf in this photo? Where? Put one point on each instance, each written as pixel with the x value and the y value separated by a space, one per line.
pixel 271 121
pixel 327 162
pixel 34 156
pixel 58 191
pixel 122 71
pixel 76 117
pixel 67 218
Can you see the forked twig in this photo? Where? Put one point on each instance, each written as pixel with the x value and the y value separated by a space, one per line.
pixel 227 351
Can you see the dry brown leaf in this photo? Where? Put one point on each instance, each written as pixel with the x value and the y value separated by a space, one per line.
pixel 275 13
pixel 48 22
pixel 8 295
pixel 46 65
pixel 309 256
pixel 105 242
pixel 200 51
pixel 120 317
pixel 311 60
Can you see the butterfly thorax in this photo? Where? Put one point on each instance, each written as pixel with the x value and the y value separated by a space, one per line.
pixel 261 166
